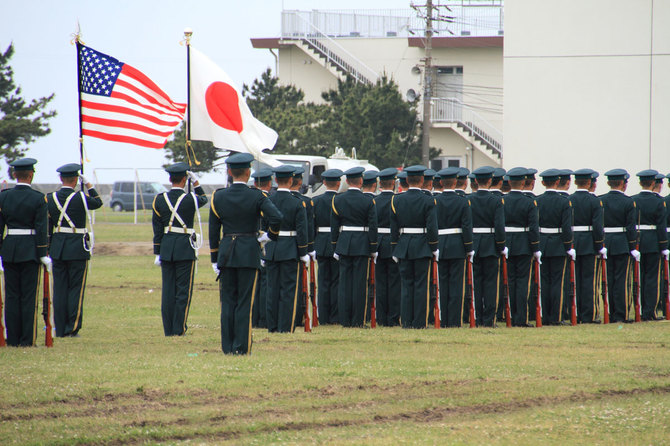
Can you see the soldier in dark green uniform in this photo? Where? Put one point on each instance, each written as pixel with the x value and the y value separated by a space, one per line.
pixel 488 229
pixel 653 242
pixel 23 211
pixel 454 220
pixel 564 181
pixel 369 188
pixel 70 247
pixel 620 219
pixel 235 250
pixel 462 181
pixel 427 189
pixel 175 246
pixel 528 187
pixel 263 182
pixel 495 189
pixel 589 244
pixel 427 186
pixel 297 189
pixel 556 245
pixel 414 237
pixel 523 240
pixel 353 225
pixel 387 275
pixel 329 268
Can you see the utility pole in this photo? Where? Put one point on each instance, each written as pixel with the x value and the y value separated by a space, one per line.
pixel 427 85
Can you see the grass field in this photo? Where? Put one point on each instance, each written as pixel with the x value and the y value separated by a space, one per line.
pixel 122 382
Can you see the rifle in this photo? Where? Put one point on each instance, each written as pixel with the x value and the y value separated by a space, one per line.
pixel 471 292
pixel 603 282
pixel 636 290
pixel 305 297
pixel 508 315
pixel 312 292
pixel 373 291
pixel 435 289
pixel 538 290
pixel 573 294
pixel 46 310
pixel 3 343
pixel 667 289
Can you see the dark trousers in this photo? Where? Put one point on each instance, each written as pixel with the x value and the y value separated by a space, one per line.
pixel 487 286
pixel 176 295
pixel 650 279
pixel 452 291
pixel 553 270
pixel 69 285
pixel 500 312
pixel 258 317
pixel 237 287
pixel 282 299
pixel 353 290
pixel 619 270
pixel 21 301
pixel 585 278
pixel 415 294
pixel 432 296
pixel 328 277
pixel 387 284
pixel 519 277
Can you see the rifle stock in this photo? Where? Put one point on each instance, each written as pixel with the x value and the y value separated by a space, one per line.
pixel 538 293
pixel 604 291
pixel 573 294
pixel 471 292
pixel 436 292
pixel 508 314
pixel 3 342
pixel 373 290
pixel 46 310
pixel 312 292
pixel 305 298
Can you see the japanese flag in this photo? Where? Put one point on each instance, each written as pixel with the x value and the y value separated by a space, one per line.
pixel 220 114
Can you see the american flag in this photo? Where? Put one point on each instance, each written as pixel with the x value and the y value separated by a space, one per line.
pixel 120 103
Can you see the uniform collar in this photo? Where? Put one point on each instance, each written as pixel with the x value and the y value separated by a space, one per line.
pixel 648 191
pixel 444 191
pixel 553 190
pixel 354 188
pixel 180 188
pixel 582 190
pixel 283 189
pixel 389 191
pixel 517 190
pixel 24 184
pixel 67 187
pixel 415 188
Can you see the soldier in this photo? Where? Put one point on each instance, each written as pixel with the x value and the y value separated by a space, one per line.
pixel 594 182
pixel 564 181
pixel 488 229
pixel 283 255
pixel 369 187
pixel 589 244
pixel 427 189
pixel 556 246
pixel 263 182
pixel 24 212
pixel 414 234
pixel 70 247
pixel 454 219
pixel 495 189
pixel 387 275
pixel 329 269
pixel 523 239
pixel 474 186
pixel 505 188
pixel 462 181
pixel 402 179
pixel 427 186
pixel 353 225
pixel 620 218
pixel 437 185
pixel 529 184
pixel 297 190
pixel 658 184
pixel 653 242
pixel 235 254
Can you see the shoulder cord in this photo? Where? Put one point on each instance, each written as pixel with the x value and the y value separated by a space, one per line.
pixel 63 209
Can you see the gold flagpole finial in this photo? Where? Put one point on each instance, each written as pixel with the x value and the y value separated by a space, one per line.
pixel 76 36
pixel 188 32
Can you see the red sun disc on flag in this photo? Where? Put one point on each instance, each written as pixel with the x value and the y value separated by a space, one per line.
pixel 223 106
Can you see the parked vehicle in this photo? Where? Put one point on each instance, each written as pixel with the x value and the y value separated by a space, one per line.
pixel 122 195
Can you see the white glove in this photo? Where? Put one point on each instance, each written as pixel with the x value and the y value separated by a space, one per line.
pixel 395 259
pixel 572 253
pixel 262 262
pixel 603 252
pixel 374 257
pixel 192 176
pixel 505 251
pixel 436 254
pixel 666 254
pixel 305 259
pixel 312 254
pixel 471 256
pixel 263 239
pixel 538 256
pixel 46 261
pixel 636 255
pixel 157 260
pixel 83 179
pixel 1 268
pixel 215 268
pixel 335 256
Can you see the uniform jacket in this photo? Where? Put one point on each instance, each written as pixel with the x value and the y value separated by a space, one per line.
pixel 587 211
pixel 23 208
pixel 322 209
pixel 555 212
pixel 619 211
pixel 413 209
pixel 453 211
pixel 488 212
pixel 354 208
pixel 293 209
pixel 521 212
pixel 174 247
pixel 233 224
pixel 383 203
pixel 652 211
pixel 64 246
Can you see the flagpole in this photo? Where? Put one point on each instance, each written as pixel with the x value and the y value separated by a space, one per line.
pixel 188 32
pixel 81 134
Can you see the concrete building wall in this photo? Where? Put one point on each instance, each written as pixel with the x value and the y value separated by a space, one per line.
pixel 586 84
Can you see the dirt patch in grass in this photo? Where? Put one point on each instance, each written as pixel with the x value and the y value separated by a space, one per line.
pixel 133 249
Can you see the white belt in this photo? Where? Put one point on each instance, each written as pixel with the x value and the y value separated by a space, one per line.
pixel 449 231
pixel 287 234
pixel 383 230
pixel 515 229
pixel 646 227
pixel 353 229
pixel 20 232
pixel 323 229
pixel 412 230
pixel 483 230
pixel 178 230
pixel 72 230
pixel 582 228
pixel 608 230
pixel 551 230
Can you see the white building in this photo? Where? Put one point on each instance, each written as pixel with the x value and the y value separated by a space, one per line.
pixel 318 47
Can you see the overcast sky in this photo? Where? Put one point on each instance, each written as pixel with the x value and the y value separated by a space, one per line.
pixel 146 35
